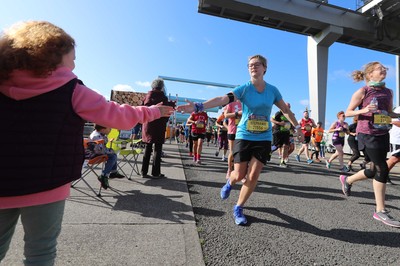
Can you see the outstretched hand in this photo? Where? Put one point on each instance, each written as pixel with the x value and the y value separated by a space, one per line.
pixel 186 108
pixel 166 111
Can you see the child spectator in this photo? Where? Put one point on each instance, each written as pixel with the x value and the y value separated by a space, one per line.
pixel 39 90
pixel 110 169
pixel 136 132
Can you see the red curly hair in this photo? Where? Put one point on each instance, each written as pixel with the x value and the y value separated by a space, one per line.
pixel 36 46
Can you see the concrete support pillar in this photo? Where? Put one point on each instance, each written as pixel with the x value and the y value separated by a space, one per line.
pixel 317 52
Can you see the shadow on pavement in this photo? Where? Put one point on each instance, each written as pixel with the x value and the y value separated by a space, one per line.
pixel 385 239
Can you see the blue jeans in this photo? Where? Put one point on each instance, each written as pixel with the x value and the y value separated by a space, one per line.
pixel 111 164
pixel 42 226
pixel 322 151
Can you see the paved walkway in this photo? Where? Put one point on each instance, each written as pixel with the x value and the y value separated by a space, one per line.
pixel 138 222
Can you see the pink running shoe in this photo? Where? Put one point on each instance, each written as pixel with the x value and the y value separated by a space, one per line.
pixel 346 187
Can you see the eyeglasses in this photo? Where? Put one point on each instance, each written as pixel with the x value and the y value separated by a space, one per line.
pixel 255 65
pixel 381 68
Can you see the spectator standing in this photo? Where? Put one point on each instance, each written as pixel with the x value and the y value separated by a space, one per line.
pixel 153 133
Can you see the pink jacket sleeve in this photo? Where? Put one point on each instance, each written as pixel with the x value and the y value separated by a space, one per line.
pixel 93 107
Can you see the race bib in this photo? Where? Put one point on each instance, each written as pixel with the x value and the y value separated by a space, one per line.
pixel 342 134
pixel 307 128
pixel 237 120
pixel 200 124
pixel 257 124
pixel 287 125
pixel 320 133
pixel 381 119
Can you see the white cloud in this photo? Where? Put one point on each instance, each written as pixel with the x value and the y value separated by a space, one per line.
pixel 122 87
pixel 391 73
pixel 305 102
pixel 212 87
pixel 340 74
pixel 143 83
pixel 171 39
pixel 208 41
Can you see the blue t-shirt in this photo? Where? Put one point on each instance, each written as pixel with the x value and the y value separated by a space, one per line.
pixel 255 124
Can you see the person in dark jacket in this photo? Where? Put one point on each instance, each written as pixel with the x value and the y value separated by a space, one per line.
pixel 154 132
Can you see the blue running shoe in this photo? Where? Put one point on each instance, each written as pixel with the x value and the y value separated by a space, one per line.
pixel 240 219
pixel 226 190
pixel 297 157
pixel 309 161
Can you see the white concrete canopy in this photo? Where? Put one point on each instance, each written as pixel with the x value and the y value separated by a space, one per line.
pixel 375 25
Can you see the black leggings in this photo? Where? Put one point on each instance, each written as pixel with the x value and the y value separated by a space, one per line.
pixel 156 167
pixel 354 148
pixel 317 149
pixel 190 142
pixel 378 169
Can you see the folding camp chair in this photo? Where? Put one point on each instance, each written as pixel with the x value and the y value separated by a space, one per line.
pixel 90 165
pixel 128 149
pixel 136 151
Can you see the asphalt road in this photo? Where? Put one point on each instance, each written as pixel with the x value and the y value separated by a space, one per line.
pixel 296 216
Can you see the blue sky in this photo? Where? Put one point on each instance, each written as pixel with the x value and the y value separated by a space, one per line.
pixel 125 44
